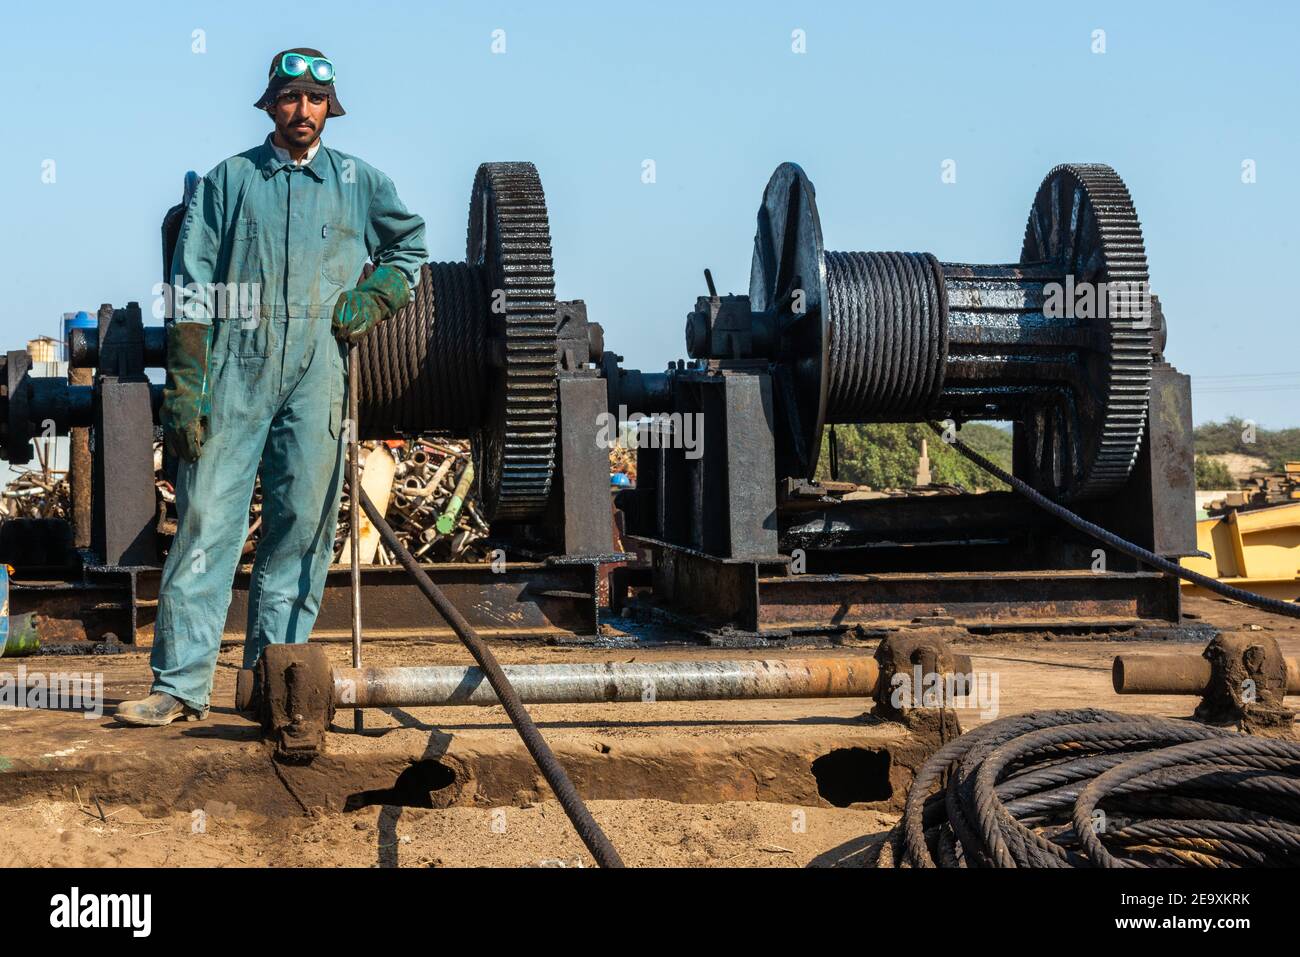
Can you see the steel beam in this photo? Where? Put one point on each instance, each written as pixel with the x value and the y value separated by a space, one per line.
pixel 768 598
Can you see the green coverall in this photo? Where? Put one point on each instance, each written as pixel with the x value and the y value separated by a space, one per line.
pixel 277 381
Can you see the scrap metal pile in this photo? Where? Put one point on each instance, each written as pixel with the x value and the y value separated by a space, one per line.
pixel 36 494
pixel 429 502
pixel 427 487
pixel 622 460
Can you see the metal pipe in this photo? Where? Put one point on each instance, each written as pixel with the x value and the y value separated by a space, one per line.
pixel 354 513
pixel 447 520
pixel 1176 674
pixel 79 467
pixel 440 685
pixel 70 406
pixel 441 471
pixel 83 347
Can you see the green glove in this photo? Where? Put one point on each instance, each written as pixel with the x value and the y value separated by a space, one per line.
pixel 185 404
pixel 374 299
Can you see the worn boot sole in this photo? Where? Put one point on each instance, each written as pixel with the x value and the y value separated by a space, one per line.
pixel 188 714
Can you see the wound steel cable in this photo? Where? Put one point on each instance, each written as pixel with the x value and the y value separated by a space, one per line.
pixel 424 369
pixel 888 335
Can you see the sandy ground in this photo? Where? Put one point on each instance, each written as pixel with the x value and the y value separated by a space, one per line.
pixel 646 832
pixel 695 784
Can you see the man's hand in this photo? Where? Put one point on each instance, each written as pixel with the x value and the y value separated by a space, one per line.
pixel 374 299
pixel 185 398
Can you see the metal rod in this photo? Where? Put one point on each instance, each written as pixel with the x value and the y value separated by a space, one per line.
pixel 447 520
pixel 80 468
pixel 608 682
pixel 354 511
pixel 1176 674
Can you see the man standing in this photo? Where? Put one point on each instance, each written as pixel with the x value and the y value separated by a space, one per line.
pixel 287 226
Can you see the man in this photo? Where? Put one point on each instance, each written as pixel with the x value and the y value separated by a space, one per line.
pixel 295 221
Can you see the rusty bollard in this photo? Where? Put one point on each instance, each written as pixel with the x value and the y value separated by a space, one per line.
pixel 912 666
pixel 1241 677
pixel 297 699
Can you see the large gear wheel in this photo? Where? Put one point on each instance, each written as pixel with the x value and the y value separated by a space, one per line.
pixel 1085 443
pixel 510 239
pixel 789 256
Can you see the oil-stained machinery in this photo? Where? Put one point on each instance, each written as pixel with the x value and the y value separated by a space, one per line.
pixel 1066 344
pixel 741 540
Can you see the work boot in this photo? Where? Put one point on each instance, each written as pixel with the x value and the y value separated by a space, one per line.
pixel 157 710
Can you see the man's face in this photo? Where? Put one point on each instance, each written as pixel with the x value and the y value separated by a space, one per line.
pixel 300 117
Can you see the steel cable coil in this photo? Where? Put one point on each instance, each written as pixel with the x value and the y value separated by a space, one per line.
pixel 888 335
pixel 1093 788
pixel 424 369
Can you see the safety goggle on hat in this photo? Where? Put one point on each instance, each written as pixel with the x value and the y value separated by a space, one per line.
pixel 301 70
pixel 296 64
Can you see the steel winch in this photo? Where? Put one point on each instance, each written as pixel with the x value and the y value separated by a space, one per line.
pixel 740 539
pixel 1066 344
pixel 891 337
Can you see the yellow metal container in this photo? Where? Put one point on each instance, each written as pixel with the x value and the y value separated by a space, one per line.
pixel 1258 550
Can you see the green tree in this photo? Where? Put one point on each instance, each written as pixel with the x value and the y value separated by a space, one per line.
pixel 1213 474
pixel 885 455
pixel 1275 446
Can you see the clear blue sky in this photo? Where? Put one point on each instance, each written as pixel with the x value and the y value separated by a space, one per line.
pixel 714 95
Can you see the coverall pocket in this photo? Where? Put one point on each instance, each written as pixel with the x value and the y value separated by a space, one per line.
pixel 239 302
pixel 342 254
pixel 243 250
